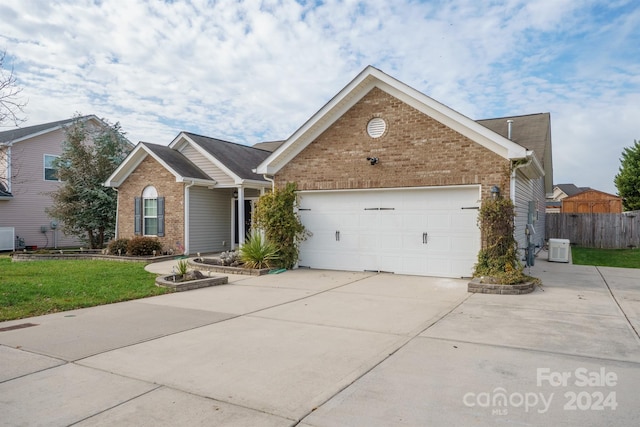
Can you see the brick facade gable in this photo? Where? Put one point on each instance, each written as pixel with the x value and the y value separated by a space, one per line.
pixel 150 172
pixel 414 151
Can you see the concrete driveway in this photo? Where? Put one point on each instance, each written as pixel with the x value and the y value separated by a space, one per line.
pixel 320 348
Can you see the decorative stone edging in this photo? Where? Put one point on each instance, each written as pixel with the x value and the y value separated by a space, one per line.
pixel 227 269
pixel 19 257
pixel 167 282
pixel 476 286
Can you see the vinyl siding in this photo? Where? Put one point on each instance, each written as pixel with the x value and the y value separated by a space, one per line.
pixel 26 210
pixel 527 190
pixel 206 166
pixel 209 220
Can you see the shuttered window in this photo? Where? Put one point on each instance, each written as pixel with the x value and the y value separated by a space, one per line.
pixel 149 213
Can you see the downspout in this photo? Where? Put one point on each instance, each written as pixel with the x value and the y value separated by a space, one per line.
pixel 186 217
pixel 117 211
pixel 271 180
pixel 529 156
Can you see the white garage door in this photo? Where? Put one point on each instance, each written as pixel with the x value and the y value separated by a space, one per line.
pixel 426 231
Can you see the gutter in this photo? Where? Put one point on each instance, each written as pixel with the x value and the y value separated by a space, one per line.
pixel 512 190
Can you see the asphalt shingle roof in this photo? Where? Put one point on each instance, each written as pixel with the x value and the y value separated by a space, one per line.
pixel 532 131
pixel 13 134
pixel 240 159
pixel 268 145
pixel 177 161
pixel 571 189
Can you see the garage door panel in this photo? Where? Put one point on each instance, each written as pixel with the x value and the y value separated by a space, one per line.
pixel 383 230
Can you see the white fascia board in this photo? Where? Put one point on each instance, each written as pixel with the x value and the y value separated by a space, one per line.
pixel 127 166
pixel 184 139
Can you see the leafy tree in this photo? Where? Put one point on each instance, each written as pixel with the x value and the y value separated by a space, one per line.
pixel 628 178
pixel 275 215
pixel 85 207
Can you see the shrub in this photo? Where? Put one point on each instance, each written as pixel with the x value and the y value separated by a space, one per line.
pixel 275 215
pixel 118 245
pixel 143 246
pixel 498 257
pixel 258 252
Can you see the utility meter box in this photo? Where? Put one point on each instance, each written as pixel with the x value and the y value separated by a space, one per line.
pixel 559 250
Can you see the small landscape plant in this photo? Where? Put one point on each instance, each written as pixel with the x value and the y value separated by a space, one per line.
pixel 143 246
pixel 183 267
pixel 118 246
pixel 258 252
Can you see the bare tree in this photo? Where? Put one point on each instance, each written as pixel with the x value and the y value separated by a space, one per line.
pixel 11 109
pixel 11 104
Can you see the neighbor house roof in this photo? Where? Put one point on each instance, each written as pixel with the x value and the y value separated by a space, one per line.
pixel 571 189
pixel 270 146
pixel 364 82
pixel 239 159
pixel 19 134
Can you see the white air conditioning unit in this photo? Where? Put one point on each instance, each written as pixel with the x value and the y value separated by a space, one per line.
pixel 7 239
pixel 559 250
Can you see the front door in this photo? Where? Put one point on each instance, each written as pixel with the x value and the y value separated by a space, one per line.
pixel 248 206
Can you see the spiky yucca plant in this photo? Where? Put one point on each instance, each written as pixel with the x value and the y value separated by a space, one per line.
pixel 258 252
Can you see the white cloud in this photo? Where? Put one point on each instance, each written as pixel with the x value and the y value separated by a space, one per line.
pixel 256 70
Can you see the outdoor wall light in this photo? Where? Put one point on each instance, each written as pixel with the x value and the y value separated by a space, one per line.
pixel 373 160
pixel 235 194
pixel 495 192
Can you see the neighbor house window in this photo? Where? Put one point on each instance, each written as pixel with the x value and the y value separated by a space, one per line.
pixel 50 172
pixel 149 213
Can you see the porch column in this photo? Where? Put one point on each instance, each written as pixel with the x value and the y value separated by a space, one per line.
pixel 241 227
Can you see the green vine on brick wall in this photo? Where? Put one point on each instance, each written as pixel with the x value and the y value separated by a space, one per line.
pixel 275 215
pixel 498 257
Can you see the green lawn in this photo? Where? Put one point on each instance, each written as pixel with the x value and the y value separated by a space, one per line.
pixel 40 287
pixel 626 258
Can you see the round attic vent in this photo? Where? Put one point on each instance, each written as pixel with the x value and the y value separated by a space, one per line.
pixel 376 127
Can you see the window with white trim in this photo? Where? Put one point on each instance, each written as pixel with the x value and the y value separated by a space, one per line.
pixel 50 172
pixel 150 211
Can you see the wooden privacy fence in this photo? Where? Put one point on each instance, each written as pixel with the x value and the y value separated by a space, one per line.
pixel 601 230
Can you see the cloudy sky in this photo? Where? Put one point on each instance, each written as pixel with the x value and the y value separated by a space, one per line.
pixel 251 71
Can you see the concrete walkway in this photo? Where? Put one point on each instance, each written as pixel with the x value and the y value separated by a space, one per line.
pixel 324 348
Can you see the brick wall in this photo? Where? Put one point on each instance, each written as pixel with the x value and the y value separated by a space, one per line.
pixel 150 172
pixel 415 150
